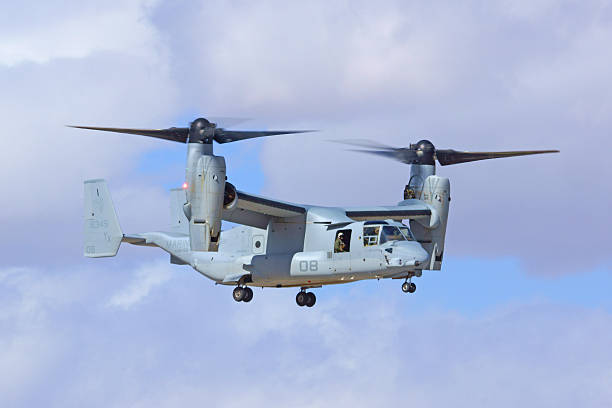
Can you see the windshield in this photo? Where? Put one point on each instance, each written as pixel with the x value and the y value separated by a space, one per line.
pixel 407 233
pixel 391 233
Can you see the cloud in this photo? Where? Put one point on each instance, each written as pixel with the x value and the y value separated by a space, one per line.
pixel 44 163
pixel 78 31
pixel 315 60
pixel 146 278
pixel 29 346
pixel 362 344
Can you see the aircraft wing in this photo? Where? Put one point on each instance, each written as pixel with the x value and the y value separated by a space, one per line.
pixel 408 209
pixel 257 211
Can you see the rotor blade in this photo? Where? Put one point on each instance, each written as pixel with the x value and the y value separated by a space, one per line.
pixel 226 136
pixel 368 144
pixel 173 134
pixel 449 156
pixel 403 155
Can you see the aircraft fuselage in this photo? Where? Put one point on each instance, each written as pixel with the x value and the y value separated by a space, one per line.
pixel 326 253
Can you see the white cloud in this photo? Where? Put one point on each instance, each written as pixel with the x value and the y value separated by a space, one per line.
pixel 77 31
pixel 146 279
pixel 105 65
pixel 574 78
pixel 363 344
pixel 29 346
pixel 314 59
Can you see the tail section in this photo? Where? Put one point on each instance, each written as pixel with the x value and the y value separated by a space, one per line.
pixel 102 231
pixel 179 222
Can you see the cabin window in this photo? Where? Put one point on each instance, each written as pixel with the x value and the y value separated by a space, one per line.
pixel 342 242
pixel 391 233
pixel 370 235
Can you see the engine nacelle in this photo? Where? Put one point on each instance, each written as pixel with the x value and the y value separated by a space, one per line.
pixel 432 233
pixel 205 199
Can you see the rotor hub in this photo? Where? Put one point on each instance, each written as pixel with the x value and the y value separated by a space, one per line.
pixel 425 152
pixel 201 131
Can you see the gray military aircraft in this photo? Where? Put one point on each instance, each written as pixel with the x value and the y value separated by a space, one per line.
pixel 280 244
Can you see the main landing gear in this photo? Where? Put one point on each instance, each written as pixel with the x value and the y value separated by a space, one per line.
pixel 243 294
pixel 408 287
pixel 304 298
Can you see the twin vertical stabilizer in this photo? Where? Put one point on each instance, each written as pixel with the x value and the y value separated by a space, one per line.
pixel 102 231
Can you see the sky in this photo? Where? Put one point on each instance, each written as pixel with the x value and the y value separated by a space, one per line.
pixel 520 312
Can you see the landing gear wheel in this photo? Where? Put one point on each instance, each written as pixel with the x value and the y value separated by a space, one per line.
pixel 408 287
pixel 301 298
pixel 239 294
pixel 311 299
pixel 248 295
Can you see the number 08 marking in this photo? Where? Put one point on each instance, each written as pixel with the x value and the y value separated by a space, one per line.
pixel 312 266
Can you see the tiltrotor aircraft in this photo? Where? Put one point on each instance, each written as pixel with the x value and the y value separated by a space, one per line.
pixel 279 244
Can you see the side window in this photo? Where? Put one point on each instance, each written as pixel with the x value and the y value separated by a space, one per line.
pixel 370 235
pixel 343 241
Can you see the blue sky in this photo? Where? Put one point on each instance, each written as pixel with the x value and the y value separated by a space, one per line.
pixel 521 312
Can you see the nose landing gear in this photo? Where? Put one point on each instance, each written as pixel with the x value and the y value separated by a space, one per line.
pixel 243 294
pixel 408 287
pixel 304 298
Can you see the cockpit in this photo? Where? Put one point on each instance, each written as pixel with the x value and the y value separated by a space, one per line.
pixel 380 232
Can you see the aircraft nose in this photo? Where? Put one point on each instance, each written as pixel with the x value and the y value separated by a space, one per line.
pixel 422 255
pixel 409 255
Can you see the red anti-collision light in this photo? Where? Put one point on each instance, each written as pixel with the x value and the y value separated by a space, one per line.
pixel 185 186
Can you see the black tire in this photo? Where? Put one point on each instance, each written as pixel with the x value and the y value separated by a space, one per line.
pixel 405 287
pixel 412 287
pixel 239 294
pixel 300 298
pixel 311 299
pixel 248 295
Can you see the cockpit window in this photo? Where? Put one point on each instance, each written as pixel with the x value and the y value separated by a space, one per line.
pixel 407 233
pixel 370 235
pixel 391 233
